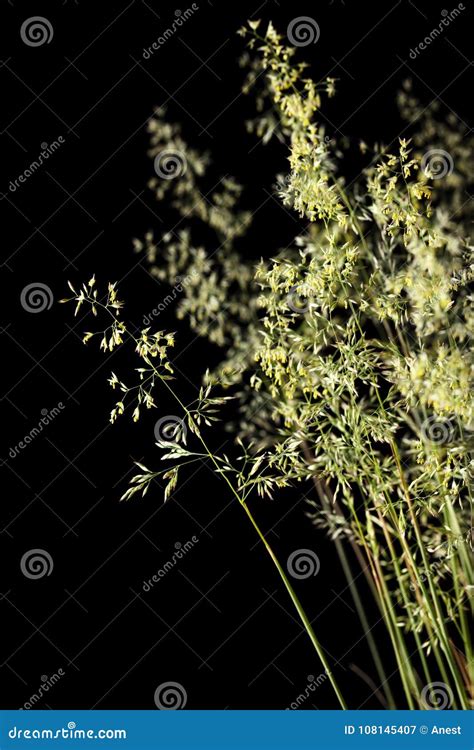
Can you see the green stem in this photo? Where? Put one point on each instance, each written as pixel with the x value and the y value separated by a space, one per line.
pixel 436 613
pixel 387 610
pixel 351 582
pixel 242 503
pixel 299 608
pixel 284 577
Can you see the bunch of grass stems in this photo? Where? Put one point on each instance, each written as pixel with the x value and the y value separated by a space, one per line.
pixel 409 643
pixel 412 645
pixel 431 641
pixel 414 667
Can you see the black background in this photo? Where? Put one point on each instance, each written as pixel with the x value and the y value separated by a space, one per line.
pixel 219 623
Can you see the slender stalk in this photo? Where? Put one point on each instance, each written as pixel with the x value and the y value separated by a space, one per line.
pixel 422 595
pixel 367 629
pixel 414 578
pixel 299 609
pixel 284 577
pixel 352 586
pixel 387 609
pixel 437 614
pixel 463 571
pixel 307 625
pixel 399 646
pixel 405 598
